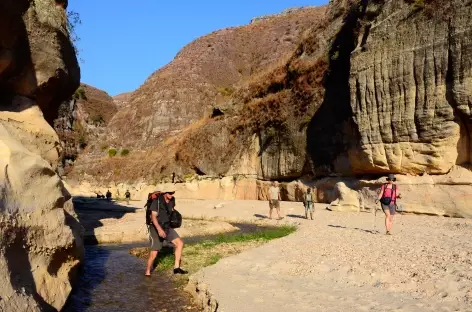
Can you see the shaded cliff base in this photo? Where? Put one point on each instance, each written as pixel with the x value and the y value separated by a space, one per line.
pixel 442 195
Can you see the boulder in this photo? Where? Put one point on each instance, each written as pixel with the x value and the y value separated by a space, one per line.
pixel 346 199
pixel 40 239
pixel 40 243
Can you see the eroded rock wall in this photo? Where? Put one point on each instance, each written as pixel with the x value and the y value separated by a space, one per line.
pixel 411 89
pixel 40 242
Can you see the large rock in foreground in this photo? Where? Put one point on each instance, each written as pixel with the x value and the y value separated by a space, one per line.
pixel 40 243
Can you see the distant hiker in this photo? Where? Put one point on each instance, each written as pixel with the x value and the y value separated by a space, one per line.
pixel 159 228
pixel 274 199
pixel 108 195
pixel 308 201
pixel 388 200
pixel 127 196
pixel 173 177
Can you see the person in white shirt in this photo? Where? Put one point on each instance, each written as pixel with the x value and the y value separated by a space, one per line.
pixel 274 199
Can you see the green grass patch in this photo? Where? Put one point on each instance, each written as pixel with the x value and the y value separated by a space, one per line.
pixel 262 235
pixel 209 251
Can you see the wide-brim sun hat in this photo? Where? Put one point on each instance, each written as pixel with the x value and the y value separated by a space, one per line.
pixel 166 189
pixel 391 177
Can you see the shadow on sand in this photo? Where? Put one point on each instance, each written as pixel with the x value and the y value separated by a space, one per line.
pixel 357 229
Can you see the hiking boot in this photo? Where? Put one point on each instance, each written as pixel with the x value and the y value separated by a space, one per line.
pixel 180 271
pixel 388 233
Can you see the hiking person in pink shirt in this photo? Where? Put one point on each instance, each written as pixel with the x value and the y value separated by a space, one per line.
pixel 388 196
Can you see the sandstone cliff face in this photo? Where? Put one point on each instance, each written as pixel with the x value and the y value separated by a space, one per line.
pixel 40 243
pixel 411 89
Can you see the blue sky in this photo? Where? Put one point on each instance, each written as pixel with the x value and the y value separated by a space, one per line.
pixel 123 42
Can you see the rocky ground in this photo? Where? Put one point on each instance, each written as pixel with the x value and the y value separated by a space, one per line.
pixel 339 261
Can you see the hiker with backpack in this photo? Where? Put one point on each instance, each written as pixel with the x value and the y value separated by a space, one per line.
pixel 161 220
pixel 308 201
pixel 388 196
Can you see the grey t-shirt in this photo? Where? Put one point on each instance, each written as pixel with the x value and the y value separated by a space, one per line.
pixel 163 210
pixel 274 192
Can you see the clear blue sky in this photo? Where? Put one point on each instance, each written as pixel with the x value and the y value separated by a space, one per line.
pixel 123 42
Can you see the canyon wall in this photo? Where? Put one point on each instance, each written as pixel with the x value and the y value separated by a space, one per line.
pixel 40 242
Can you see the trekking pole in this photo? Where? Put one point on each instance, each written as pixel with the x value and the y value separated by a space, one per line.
pixel 401 217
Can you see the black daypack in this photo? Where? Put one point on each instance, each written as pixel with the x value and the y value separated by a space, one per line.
pixel 387 200
pixel 175 219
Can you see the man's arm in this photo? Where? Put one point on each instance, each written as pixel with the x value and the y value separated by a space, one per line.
pixel 160 231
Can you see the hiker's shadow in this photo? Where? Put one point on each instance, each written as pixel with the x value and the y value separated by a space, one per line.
pixel 296 216
pixel 357 229
pixel 260 216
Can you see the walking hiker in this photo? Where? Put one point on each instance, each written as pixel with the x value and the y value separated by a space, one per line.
pixel 108 195
pixel 127 196
pixel 388 196
pixel 159 229
pixel 308 201
pixel 274 199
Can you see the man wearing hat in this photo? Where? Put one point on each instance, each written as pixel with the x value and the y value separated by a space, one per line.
pixel 388 199
pixel 160 229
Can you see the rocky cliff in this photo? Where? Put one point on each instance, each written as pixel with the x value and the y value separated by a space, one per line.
pixel 204 74
pixel 197 84
pixel 373 87
pixel 40 243
pixel 82 119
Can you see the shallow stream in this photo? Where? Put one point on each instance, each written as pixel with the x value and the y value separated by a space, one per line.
pixel 112 280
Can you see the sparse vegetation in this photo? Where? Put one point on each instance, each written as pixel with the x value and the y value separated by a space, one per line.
pixel 112 152
pixel 124 152
pixel 79 94
pixel 103 146
pixel 73 20
pixel 97 119
pixel 210 251
pixel 226 91
pixel 81 134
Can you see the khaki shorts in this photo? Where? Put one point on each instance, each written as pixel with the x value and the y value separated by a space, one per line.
pixel 274 203
pixel 156 241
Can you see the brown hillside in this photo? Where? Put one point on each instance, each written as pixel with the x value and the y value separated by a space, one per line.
pixel 122 99
pixel 252 103
pixel 204 74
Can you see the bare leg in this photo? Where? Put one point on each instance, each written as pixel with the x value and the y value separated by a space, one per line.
pixel 387 220
pixel 390 223
pixel 270 212
pixel 150 262
pixel 179 246
pixel 278 212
